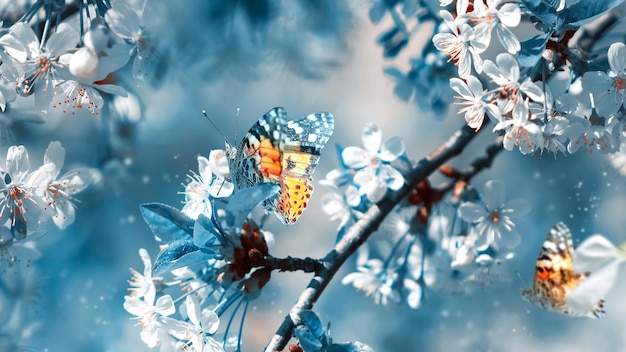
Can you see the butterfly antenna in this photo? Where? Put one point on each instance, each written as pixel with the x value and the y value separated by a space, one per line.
pixel 215 126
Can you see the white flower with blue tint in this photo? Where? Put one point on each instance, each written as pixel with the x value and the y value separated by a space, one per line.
pixel 477 101
pixel 498 16
pixel 609 88
pixel 203 185
pixel 493 217
pixel 461 45
pixel 374 173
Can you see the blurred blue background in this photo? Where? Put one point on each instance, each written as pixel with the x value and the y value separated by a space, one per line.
pixel 236 69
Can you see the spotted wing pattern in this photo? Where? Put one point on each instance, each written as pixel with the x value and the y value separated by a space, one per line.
pixel 287 153
pixel 555 277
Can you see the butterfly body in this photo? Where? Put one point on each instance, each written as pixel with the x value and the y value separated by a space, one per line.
pixel 555 277
pixel 283 152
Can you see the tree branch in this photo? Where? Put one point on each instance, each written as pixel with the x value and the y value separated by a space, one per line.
pixel 362 229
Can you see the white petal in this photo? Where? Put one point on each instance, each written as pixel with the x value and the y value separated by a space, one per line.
pixel 508 66
pixel 584 298
pixel 123 21
pixel 508 39
pixel 462 88
pixel 509 15
pixel 471 212
pixel 165 305
pixel 592 253
pixel 355 157
pixel 597 81
pixel 494 194
pixel 17 162
pixel 65 216
pixel 521 208
pixel 63 40
pixel 392 149
pixel 204 170
pixel 193 309
pixel 147 262
pixel 55 154
pixel 371 137
pixel 617 57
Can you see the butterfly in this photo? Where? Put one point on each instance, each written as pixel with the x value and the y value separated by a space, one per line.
pixel 282 152
pixel 555 277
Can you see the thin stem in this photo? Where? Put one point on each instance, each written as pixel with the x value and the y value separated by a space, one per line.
pixel 308 265
pixel 358 233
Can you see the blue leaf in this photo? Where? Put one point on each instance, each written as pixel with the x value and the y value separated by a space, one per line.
pixel 354 346
pixel 167 223
pixel 179 254
pixel 244 200
pixel 312 322
pixel 394 72
pixel 307 341
pixel 585 11
pixel 205 234
pixel 543 11
pixel 532 49
pixel 377 12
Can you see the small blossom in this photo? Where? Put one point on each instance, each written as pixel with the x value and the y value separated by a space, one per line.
pixel 143 285
pixel 498 16
pixel 477 102
pixel 493 218
pixel 18 186
pixel 152 316
pixel 373 279
pixel 374 174
pixel 33 65
pixel 202 324
pixel 82 91
pixel 203 186
pixel 609 88
pixel 59 193
pixel 506 73
pixel 520 131
pixel 128 25
pixel 461 45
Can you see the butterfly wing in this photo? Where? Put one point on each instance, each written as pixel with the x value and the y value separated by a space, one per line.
pixel 304 139
pixel 555 277
pixel 257 159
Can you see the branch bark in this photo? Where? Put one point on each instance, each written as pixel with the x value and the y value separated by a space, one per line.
pixel 362 229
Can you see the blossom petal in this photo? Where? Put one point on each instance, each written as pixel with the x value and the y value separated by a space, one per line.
pixel 392 149
pixel 17 162
pixel 596 81
pixel 165 305
pixel 123 21
pixel 471 212
pixel 55 154
pixel 592 253
pixel 509 239
pixel 520 208
pixel 494 194
pixel 584 298
pixel 63 40
pixel 510 14
pixel 617 57
pixel 371 137
pixel 355 157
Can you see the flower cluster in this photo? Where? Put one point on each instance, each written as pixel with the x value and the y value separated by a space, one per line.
pixel 74 69
pixel 366 175
pixel 29 197
pixel 455 251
